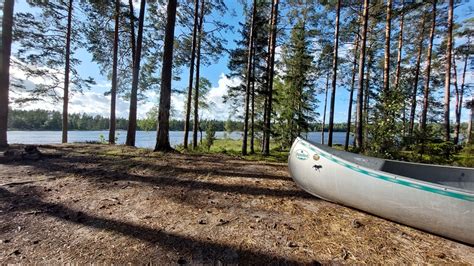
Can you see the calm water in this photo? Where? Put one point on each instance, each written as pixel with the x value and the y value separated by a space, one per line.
pixel 144 139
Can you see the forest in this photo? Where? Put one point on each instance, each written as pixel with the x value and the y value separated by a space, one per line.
pixel 395 186
pixel 51 120
pixel 404 65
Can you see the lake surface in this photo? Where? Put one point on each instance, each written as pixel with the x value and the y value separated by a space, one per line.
pixel 144 139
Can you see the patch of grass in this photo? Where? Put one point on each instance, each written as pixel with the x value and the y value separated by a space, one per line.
pixel 234 148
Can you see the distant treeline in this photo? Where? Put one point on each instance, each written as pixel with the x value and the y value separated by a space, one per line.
pixel 51 120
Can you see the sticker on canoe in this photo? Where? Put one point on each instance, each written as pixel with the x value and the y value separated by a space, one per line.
pixel 316 157
pixel 302 154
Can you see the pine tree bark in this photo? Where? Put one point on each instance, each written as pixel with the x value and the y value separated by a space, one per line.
pixel 113 91
pixel 249 78
pixel 66 73
pixel 324 110
pixel 447 81
pixel 471 120
pixel 334 75
pixel 360 93
pixel 459 111
pixel 456 106
pixel 426 91
pixel 351 94
pixel 399 50
pixel 416 79
pixel 162 136
pixel 271 61
pixel 196 84
pixel 191 75
pixel 386 65
pixel 388 113
pixel 7 23
pixel 132 30
pixel 365 108
pixel 252 118
pixel 132 118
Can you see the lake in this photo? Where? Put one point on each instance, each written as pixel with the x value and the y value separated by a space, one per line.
pixel 144 139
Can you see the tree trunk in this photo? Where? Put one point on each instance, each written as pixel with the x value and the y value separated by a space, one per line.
pixel 66 73
pixel 265 102
pixel 365 106
pixel 196 84
pixel 191 74
pixel 113 91
pixel 334 75
pixel 351 95
pixel 360 93
pixel 471 119
pixel 132 118
pixel 458 118
pixel 447 81
pixel 386 65
pixel 324 112
pixel 399 51
pixel 252 118
pixel 7 23
pixel 249 79
pixel 456 107
pixel 132 30
pixel 271 61
pixel 417 75
pixel 428 72
pixel 162 138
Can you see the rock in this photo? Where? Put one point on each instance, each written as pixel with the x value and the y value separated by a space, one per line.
pixel 344 254
pixel 16 252
pixel 356 224
pixel 292 244
pixel 222 222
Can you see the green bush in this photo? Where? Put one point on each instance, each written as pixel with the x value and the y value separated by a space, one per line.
pixel 210 135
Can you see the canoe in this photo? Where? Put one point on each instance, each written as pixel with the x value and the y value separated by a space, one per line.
pixel 437 199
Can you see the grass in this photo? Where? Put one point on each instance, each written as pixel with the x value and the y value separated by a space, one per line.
pixel 234 148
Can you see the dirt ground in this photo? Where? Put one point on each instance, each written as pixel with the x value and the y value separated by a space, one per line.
pixel 96 203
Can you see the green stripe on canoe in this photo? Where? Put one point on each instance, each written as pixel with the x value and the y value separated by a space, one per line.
pixel 392 179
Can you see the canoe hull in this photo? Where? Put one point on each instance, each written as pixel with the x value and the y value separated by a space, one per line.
pixel 419 204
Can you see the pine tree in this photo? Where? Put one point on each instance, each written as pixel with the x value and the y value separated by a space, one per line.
pixel 162 138
pixel 7 22
pixel 249 76
pixel 295 97
pixel 426 90
pixel 360 93
pixel 132 118
pixel 46 44
pixel 270 74
pixel 447 83
pixel 334 74
pixel 191 74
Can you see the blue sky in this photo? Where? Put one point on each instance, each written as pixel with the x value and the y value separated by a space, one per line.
pixel 95 102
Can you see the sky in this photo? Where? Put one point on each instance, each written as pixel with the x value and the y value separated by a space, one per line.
pixel 95 102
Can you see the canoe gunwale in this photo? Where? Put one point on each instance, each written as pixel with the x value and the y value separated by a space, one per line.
pixel 448 191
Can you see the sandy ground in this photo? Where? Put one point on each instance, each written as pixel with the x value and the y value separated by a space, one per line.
pixel 96 203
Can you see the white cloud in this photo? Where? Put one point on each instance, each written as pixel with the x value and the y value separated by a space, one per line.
pixel 219 110
pixel 94 102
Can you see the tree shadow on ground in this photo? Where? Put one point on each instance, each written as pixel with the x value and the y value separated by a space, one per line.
pixel 209 252
pixel 105 171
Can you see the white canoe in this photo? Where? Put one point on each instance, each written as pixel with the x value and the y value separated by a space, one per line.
pixel 437 199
